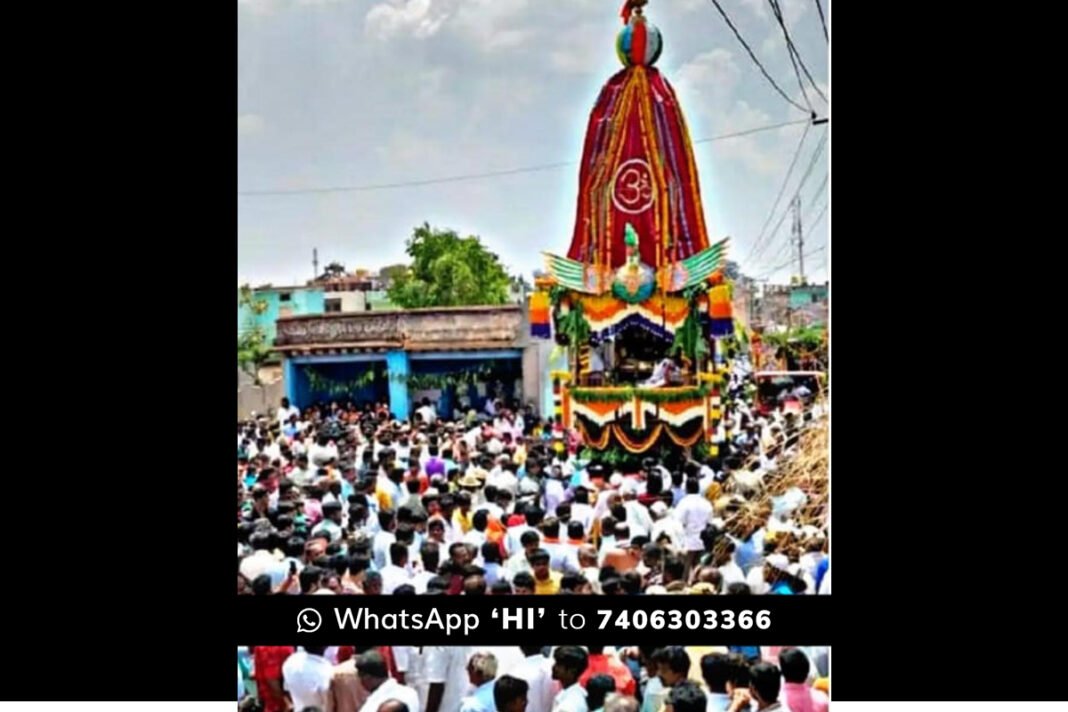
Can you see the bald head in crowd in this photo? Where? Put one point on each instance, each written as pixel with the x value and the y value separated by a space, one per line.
pixel 620 703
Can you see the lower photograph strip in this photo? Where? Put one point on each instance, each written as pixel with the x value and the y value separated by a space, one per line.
pixel 566 678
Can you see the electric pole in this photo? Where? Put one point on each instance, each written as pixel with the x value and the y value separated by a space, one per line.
pixel 798 237
pixel 315 263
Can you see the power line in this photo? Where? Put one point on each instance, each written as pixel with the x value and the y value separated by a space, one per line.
pixel 804 179
pixel 782 189
pixel 820 216
pixel 823 20
pixel 757 61
pixel 476 176
pixel 789 262
pixel 793 52
pixel 819 191
pixel 811 228
pixel 756 130
pixel 790 53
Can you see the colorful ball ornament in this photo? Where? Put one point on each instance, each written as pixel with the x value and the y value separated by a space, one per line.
pixel 639 43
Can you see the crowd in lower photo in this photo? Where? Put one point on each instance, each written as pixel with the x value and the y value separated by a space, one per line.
pixel 532 679
pixel 339 499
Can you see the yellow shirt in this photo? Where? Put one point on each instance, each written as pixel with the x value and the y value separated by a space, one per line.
pixel 551 586
pixel 463 520
pixel 384 500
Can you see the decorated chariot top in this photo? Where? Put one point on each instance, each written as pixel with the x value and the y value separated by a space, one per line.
pixel 639 225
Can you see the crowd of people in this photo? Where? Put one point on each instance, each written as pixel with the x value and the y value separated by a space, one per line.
pixel 343 499
pixel 532 679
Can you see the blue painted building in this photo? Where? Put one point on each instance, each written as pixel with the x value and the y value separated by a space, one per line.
pixel 281 302
pixel 386 351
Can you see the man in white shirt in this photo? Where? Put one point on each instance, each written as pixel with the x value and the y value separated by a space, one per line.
pixel 477 536
pixel 570 661
pixel 286 412
pixel 694 512
pixel 384 538
pixel 322 452
pixel 662 374
pixel 430 558
pixel 513 537
pixel 301 474
pixel 331 524
pixel 536 670
pixel 374 676
pixel 396 573
pixel 581 511
pixel 665 524
pixel 505 478
pixel 427 412
pixel 307 675
pixel 262 561
pixel 638 519
pixel 411 663
pixel 446 674
pixel 554 493
pixel 730 571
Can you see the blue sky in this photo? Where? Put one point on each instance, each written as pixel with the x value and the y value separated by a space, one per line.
pixel 360 92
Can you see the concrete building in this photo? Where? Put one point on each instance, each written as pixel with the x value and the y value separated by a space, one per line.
pixel 395 346
pixel 782 306
pixel 353 293
pixel 282 302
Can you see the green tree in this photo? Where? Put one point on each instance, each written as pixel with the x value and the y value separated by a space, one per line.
pixel 448 271
pixel 391 273
pixel 252 347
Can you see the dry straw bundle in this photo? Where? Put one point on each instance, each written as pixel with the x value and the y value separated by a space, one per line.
pixel 805 468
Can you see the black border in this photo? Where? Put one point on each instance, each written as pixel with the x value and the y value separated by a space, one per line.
pixel 120 588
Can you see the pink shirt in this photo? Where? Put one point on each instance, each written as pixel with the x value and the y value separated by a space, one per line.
pixel 802 698
pixel 313 510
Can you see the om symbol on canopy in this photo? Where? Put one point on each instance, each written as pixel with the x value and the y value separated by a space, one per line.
pixel 632 187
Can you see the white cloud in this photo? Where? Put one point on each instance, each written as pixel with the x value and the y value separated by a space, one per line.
pixel 270 7
pixel 260 7
pixel 793 11
pixel 714 72
pixel 408 150
pixel 415 17
pixel 249 124
pixel 757 7
pixel 753 151
pixel 707 86
pixel 495 25
pixel 579 49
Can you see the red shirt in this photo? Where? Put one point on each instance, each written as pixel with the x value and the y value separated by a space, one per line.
pixel 268 661
pixel 648 500
pixel 611 666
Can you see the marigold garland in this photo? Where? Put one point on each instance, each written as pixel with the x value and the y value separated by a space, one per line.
pixel 648 395
pixel 596 443
pixel 632 446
